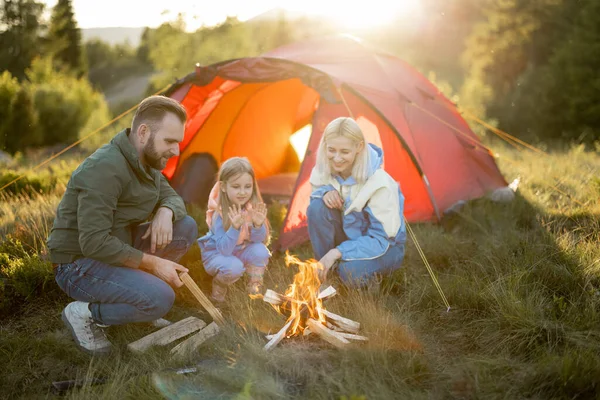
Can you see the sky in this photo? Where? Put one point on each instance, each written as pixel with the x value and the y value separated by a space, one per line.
pixel 197 13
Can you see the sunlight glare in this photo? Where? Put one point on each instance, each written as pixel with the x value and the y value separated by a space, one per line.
pixel 375 13
pixel 299 141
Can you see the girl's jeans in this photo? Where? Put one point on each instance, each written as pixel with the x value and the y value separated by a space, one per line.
pixel 120 295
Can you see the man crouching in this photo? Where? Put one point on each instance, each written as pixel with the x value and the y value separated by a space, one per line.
pixel 120 268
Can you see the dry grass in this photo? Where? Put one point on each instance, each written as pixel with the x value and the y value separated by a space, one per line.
pixel 523 281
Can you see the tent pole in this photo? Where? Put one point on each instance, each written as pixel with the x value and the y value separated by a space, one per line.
pixel 433 202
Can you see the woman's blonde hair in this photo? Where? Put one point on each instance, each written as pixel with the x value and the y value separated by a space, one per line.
pixel 348 128
pixel 230 169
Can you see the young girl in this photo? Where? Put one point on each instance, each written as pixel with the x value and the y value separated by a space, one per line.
pixel 356 208
pixel 238 230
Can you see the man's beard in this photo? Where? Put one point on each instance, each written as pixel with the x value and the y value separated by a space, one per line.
pixel 153 159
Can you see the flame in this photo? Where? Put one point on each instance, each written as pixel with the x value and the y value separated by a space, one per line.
pixel 304 293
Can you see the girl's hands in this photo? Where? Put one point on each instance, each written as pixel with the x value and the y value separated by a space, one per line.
pixel 259 214
pixel 235 216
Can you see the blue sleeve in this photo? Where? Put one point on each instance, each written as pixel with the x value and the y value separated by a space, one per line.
pixel 320 191
pixel 258 235
pixel 373 244
pixel 225 241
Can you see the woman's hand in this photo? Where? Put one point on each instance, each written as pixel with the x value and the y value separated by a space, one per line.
pixel 259 214
pixel 235 216
pixel 327 262
pixel 332 199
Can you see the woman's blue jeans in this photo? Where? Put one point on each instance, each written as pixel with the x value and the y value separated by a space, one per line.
pixel 325 228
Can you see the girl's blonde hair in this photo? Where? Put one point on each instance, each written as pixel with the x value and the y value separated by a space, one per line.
pixel 348 128
pixel 230 169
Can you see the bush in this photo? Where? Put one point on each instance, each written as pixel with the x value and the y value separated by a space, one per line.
pixel 23 275
pixel 29 184
pixel 65 105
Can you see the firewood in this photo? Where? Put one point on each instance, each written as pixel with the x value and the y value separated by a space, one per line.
pixel 278 336
pixel 352 336
pixel 192 343
pixel 167 334
pixel 276 299
pixel 346 324
pixel 327 293
pixel 333 327
pixel 201 297
pixel 327 334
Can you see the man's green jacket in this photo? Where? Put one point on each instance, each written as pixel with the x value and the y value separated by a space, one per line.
pixel 108 195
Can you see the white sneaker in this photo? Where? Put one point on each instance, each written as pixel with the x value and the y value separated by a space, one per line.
pixel 88 336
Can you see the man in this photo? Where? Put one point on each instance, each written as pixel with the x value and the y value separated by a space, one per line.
pixel 119 267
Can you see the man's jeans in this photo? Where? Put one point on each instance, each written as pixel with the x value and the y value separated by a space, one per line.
pixel 325 228
pixel 120 295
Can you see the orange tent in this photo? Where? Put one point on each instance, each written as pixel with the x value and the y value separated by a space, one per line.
pixel 252 106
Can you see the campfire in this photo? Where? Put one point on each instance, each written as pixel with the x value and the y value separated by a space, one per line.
pixel 303 303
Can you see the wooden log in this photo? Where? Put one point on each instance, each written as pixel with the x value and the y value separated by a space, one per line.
pixel 193 342
pixel 201 297
pixel 276 299
pixel 327 334
pixel 346 324
pixel 327 293
pixel 341 332
pixel 333 327
pixel 278 337
pixel 167 334
pixel 352 336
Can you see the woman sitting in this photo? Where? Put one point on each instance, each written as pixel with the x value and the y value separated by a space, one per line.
pixel 355 215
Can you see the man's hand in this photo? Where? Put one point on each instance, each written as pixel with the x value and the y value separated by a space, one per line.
pixel 332 199
pixel 327 262
pixel 163 269
pixel 259 214
pixel 161 229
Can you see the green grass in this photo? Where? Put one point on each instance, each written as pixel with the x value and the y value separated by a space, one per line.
pixel 522 279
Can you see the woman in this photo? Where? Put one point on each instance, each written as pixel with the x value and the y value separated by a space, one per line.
pixel 355 215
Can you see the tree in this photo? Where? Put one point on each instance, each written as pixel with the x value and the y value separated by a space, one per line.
pixel 23 123
pixel 64 38
pixel 19 38
pixel 9 86
pixel 569 87
pixel 507 60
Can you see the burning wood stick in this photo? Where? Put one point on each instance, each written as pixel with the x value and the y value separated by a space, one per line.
pixel 201 297
pixel 195 341
pixel 276 299
pixel 327 293
pixel 327 334
pixel 346 324
pixel 167 334
pixel 278 336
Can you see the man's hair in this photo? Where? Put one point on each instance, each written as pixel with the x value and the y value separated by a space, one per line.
pixel 153 109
